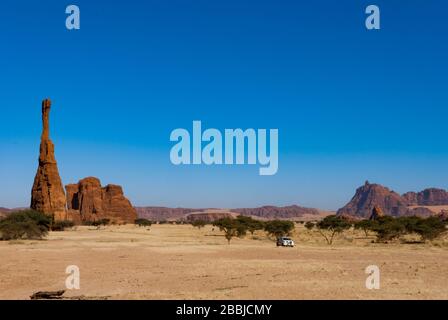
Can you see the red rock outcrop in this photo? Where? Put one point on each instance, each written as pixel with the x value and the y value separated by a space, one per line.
pixel 47 194
pixel 88 201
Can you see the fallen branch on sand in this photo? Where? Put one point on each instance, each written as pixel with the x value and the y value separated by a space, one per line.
pixel 58 295
pixel 50 295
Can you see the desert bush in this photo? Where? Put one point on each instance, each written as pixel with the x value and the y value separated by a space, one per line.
pixel 332 225
pixel 198 223
pixel 279 228
pixel 26 224
pixel 97 223
pixel 309 225
pixel 143 222
pixel 62 225
pixel 431 228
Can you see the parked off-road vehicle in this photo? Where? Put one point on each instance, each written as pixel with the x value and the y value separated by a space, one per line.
pixel 285 242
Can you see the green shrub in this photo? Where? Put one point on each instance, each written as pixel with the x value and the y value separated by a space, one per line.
pixel 143 222
pixel 309 225
pixel 26 224
pixel 96 223
pixel 198 223
pixel 62 225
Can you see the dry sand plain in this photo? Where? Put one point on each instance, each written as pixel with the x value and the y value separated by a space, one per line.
pixel 182 262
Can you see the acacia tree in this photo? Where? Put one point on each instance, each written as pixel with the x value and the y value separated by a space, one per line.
pixel 365 225
pixel 388 228
pixel 279 228
pixel 332 225
pixel 229 226
pixel 249 224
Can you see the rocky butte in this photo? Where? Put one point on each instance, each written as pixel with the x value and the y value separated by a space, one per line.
pixel 85 201
pixel 88 201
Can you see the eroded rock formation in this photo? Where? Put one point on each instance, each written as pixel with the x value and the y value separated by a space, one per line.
pixel 47 194
pixel 89 201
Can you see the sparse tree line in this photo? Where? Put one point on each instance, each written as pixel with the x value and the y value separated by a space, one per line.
pixel 384 228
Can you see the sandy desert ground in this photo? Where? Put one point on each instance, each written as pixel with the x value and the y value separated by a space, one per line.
pixel 182 262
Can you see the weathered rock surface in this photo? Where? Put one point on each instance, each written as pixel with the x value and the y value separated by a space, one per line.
pixel 89 201
pixel 427 197
pixel 47 194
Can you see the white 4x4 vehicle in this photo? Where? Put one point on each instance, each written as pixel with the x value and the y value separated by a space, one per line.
pixel 285 242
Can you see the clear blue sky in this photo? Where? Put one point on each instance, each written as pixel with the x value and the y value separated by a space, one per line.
pixel 350 104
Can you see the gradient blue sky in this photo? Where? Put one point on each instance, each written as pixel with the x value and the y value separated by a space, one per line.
pixel 350 104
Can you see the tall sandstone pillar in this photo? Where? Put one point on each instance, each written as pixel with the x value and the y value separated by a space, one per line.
pixel 48 194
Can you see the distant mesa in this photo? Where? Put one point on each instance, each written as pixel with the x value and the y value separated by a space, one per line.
pixel 427 197
pixel 371 196
pixel 210 215
pixel 273 212
pixel 84 201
